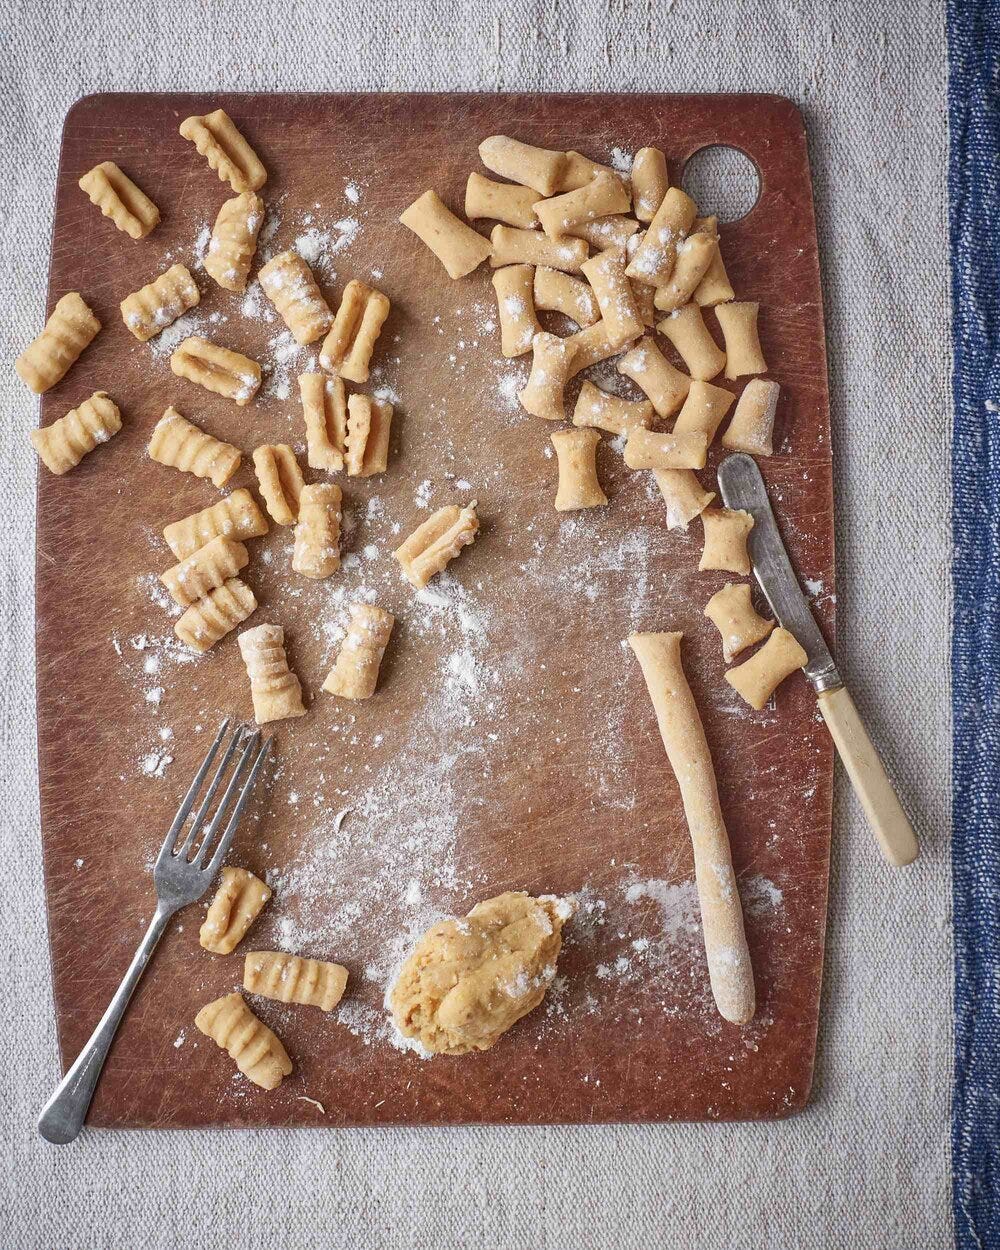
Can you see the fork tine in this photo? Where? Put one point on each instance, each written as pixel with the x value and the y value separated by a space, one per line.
pixel 200 815
pixel 188 801
pixel 220 853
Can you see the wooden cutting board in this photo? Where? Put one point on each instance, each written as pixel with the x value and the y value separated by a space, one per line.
pixel 511 744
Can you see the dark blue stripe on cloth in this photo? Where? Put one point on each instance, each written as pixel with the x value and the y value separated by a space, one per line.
pixel 974 187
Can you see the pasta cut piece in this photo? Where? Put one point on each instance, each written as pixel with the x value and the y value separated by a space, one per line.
pixel 324 407
pixel 500 201
pixel 64 443
pixel 347 349
pixel 280 480
pixel 180 444
pixel 590 346
pixel 534 167
pixel 694 256
pixel 457 246
pixel 288 283
pixel 654 259
pixel 227 152
pixel 664 386
pixel 369 424
pixel 739 329
pixel 604 411
pixel 211 618
pixel 355 674
pixel 758 678
pixel 603 233
pixel 251 1045
pixel 234 241
pixel 237 516
pixel 579 170
pixel 69 330
pixel 117 196
pixel 576 453
pixel 205 570
pixel 559 292
pixel 686 329
pixel 650 182
pixel 437 542
pixel 237 903
pixel 292 979
pixel 715 287
pixel 274 688
pixel 155 306
pixel 550 362
pixel 217 369
pixel 684 496
pixel 531 247
pixel 752 426
pixel 726 532
pixel 704 409
pixel 317 531
pixel 514 286
pixel 732 613
pixel 606 274
pixel 601 196
pixel 645 449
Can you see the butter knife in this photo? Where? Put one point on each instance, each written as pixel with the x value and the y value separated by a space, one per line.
pixel 742 487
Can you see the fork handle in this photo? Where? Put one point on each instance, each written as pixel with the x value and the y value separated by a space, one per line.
pixel 63 1115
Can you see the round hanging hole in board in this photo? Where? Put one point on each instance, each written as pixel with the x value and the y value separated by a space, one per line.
pixel 722 181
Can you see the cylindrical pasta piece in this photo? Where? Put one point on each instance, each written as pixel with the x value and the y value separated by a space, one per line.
pixel 704 409
pixel 234 241
pixel 683 494
pixel 237 516
pixel 356 364
pixel 46 361
pixel 715 287
pixel 694 256
pixel 578 170
pixel 646 449
pixel 606 274
pixel 252 1046
pixel 347 349
pixel 64 443
pixel 288 283
pixel 686 329
pixel 550 362
pixel 180 444
pixel 520 162
pixel 324 407
pixel 355 674
pixel 237 903
pixel 752 426
pixel 117 196
pixel 217 369
pixel 732 613
pixel 205 570
pixel 687 749
pixel 664 386
pixel 576 453
pixel 604 411
pixel 653 261
pixel 280 480
pixel 500 201
pixel 531 247
pixel 601 196
pixel 514 286
pixel 211 618
pixel 605 232
pixel 757 678
pixel 559 292
pixel 591 345
pixel 155 306
pixel 650 182
pixel 726 532
pixel 436 542
pixel 369 424
pixel 739 329
pixel 457 246
pixel 317 531
pixel 276 691
pixel 226 150
pixel 292 979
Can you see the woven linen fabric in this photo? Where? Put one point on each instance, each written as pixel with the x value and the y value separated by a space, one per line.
pixel 868 1163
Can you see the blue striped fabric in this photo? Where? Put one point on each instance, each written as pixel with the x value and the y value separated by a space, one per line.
pixel 974 186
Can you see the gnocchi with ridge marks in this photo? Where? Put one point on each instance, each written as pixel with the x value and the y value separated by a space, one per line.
pixel 227 152
pixel 117 196
pixel 70 329
pixel 255 1050
pixel 355 674
pixel 437 542
pixel 237 903
pixel 64 443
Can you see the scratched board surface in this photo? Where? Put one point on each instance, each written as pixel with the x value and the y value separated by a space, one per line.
pixel 511 744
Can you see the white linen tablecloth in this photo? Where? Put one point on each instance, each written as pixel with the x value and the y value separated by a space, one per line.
pixel 868 1163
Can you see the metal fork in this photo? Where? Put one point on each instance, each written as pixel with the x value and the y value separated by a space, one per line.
pixel 180 878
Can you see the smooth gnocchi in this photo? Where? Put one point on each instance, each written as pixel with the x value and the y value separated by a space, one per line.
pixel 726 533
pixel 732 612
pixel 758 678
pixel 576 453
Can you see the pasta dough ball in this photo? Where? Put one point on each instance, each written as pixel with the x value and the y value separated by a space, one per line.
pixel 467 981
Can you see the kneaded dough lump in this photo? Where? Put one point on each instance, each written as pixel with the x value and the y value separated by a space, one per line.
pixel 467 981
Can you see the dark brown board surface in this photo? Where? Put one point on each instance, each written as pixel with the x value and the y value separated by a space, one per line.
pixel 511 744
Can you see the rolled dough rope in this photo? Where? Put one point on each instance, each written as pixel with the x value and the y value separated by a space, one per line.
pixel 683 736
